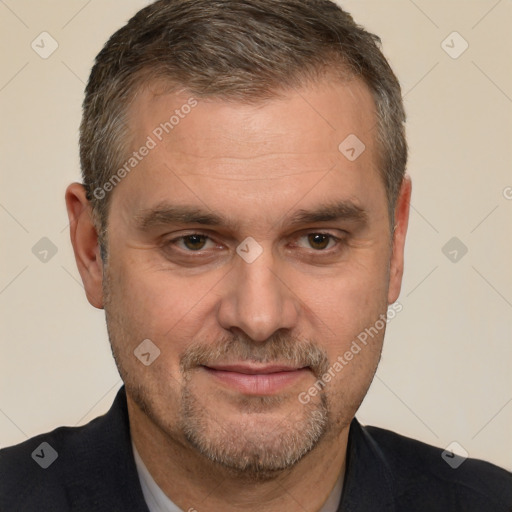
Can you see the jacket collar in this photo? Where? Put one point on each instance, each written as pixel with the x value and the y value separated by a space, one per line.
pixel 368 479
pixel 115 485
pixel 109 480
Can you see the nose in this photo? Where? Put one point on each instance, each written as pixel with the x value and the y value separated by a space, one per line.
pixel 257 300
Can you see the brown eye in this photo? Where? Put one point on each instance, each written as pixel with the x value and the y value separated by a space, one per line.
pixel 194 242
pixel 319 241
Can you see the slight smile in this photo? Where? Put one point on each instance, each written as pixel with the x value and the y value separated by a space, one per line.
pixel 257 380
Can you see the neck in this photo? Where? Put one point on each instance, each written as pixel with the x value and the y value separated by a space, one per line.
pixel 192 481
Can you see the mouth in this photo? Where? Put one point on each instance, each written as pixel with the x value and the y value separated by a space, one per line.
pixel 257 380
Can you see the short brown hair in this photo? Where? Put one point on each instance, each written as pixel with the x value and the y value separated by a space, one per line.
pixel 247 50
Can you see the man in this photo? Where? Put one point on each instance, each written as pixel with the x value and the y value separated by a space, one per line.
pixel 242 221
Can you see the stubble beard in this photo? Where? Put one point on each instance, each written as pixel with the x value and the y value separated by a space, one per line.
pixel 253 455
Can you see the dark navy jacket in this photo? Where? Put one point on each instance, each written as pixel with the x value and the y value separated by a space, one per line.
pixel 94 471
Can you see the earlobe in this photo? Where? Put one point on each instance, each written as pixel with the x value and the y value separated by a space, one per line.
pixel 401 222
pixel 84 238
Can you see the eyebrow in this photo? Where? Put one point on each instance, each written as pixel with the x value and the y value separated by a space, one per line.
pixel 341 210
pixel 165 214
pixel 173 214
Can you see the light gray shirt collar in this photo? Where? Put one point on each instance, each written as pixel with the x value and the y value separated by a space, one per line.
pixel 157 500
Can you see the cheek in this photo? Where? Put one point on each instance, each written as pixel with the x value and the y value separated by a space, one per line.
pixel 348 299
pixel 161 305
pixel 144 306
pixel 350 326
pixel 351 374
pixel 345 317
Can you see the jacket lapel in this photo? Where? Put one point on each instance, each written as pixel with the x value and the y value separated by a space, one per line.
pixel 106 478
pixel 368 479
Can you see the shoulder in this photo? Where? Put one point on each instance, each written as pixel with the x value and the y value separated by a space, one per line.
pixel 422 471
pixel 33 472
pixel 74 468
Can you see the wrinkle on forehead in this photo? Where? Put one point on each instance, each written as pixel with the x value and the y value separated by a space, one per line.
pixel 224 153
pixel 254 128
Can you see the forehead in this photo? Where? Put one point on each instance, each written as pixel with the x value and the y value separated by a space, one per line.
pixel 273 150
pixel 330 107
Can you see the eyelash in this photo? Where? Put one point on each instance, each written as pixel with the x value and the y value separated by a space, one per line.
pixel 176 241
pixel 179 239
pixel 331 238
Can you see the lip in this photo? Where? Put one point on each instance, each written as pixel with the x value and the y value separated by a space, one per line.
pixel 256 380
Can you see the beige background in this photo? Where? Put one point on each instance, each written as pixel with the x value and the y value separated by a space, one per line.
pixel 446 372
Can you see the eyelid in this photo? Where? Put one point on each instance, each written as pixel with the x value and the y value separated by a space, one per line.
pixel 332 232
pixel 332 238
pixel 174 240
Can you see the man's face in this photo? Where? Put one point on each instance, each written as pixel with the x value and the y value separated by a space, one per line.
pixel 246 326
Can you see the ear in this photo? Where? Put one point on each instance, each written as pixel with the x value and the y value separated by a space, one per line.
pixel 401 221
pixel 84 239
